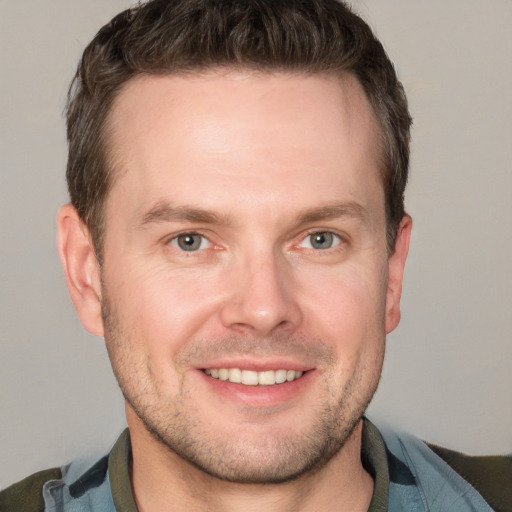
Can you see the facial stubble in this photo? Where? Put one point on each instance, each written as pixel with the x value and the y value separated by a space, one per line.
pixel 276 457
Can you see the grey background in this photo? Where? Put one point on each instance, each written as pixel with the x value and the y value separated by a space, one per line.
pixel 447 376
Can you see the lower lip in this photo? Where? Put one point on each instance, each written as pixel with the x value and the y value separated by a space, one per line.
pixel 264 396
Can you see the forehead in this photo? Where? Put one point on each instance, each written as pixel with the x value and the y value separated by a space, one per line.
pixel 225 127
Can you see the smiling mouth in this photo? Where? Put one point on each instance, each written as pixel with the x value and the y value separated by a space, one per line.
pixel 253 378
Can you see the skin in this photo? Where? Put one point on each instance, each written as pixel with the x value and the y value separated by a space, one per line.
pixel 250 165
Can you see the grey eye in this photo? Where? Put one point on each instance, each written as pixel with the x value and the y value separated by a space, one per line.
pixel 321 240
pixel 190 242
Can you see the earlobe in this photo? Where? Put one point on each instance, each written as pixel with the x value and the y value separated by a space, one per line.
pixel 81 268
pixel 396 265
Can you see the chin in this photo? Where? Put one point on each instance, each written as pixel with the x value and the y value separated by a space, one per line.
pixel 251 457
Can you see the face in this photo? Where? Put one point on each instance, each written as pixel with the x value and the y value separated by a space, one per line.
pixel 245 287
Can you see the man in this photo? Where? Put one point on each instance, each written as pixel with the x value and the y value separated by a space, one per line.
pixel 237 234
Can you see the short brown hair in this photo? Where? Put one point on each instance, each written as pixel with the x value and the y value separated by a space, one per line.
pixel 173 36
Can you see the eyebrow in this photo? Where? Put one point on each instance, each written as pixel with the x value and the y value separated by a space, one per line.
pixel 165 212
pixel 333 211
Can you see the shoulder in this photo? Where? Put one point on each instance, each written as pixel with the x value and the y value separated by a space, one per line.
pixel 84 484
pixel 61 489
pixel 491 476
pixel 27 495
pixel 438 479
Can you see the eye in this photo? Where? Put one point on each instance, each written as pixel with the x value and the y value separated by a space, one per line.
pixel 190 242
pixel 321 240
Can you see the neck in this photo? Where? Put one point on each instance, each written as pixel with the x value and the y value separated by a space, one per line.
pixel 160 478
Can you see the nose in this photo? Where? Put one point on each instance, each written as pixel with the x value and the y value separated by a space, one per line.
pixel 262 297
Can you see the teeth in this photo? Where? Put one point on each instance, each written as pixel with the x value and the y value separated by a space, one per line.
pixel 281 376
pixel 235 375
pixel 267 378
pixel 252 378
pixel 249 378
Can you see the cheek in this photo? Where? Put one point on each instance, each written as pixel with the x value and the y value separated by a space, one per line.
pixel 347 304
pixel 162 310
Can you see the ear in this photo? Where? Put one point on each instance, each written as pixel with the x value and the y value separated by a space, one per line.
pixel 81 268
pixel 396 265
